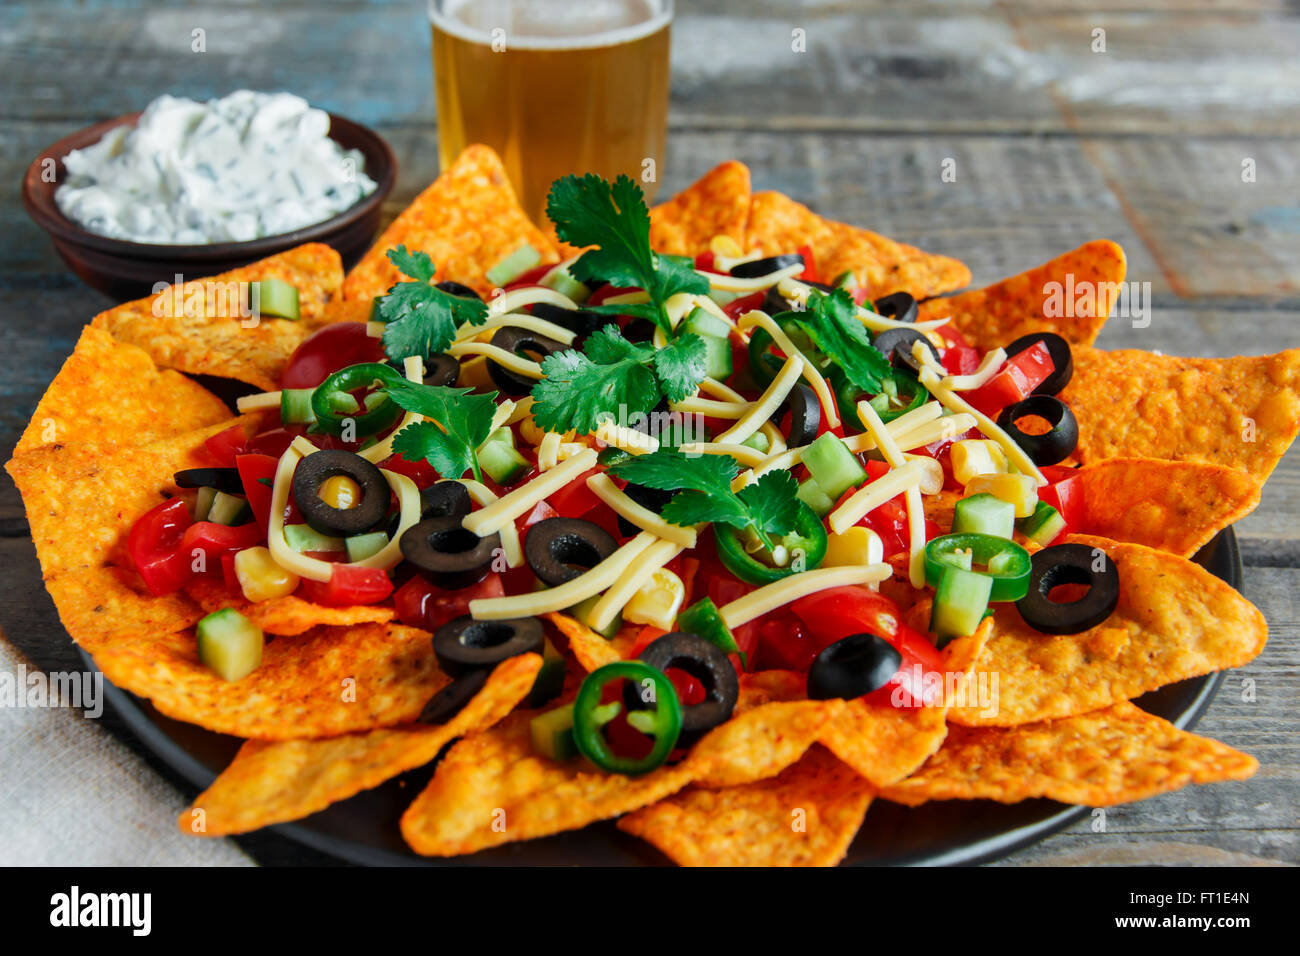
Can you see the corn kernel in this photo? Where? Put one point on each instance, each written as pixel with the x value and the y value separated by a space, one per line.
pixel 1020 490
pixel 723 245
pixel 260 577
pixel 854 547
pixel 977 456
pixel 340 491
pixel 658 601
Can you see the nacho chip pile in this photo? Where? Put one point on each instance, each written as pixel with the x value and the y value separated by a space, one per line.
pixel 1173 450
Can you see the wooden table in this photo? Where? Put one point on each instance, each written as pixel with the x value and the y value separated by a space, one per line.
pixel 1054 143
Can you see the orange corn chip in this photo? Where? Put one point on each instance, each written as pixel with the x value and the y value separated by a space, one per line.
pixel 199 327
pixel 717 204
pixel 1174 620
pixel 806 816
pixel 492 788
pixel 1175 506
pixel 1238 412
pixel 467 221
pixel 592 650
pixel 286 615
pixel 761 741
pixel 81 501
pixel 1098 759
pixel 111 392
pixel 274 782
pixel 330 680
pixel 778 224
pixel 1060 296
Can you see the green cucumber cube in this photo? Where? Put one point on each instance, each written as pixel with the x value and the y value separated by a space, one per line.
pixel 959 603
pixel 273 298
pixel 362 546
pixel 514 265
pixel 229 644
pixel 1043 526
pixel 984 514
pixel 228 509
pixel 833 466
pixel 552 734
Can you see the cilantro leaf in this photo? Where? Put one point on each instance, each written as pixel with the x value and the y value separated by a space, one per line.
pixel 680 366
pixel 694 507
pixel 461 423
pixel 421 319
pixel 674 471
pixel 613 217
pixel 831 322
pixel 607 346
pixel 771 501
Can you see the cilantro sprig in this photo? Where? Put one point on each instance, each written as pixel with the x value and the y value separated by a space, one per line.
pixel 421 319
pixel 831 322
pixel 611 376
pixel 461 422
pixel 703 484
pixel 613 217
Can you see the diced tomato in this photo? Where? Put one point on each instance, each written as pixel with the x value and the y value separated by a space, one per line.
pixel 809 273
pixel 225 446
pixel 953 337
pixel 217 540
pixel 704 262
pixel 961 360
pixel 257 473
pixel 889 520
pixel 326 351
pixel 1065 494
pixel 876 469
pixel 575 499
pixel 541 511
pixel 348 585
pixel 155 546
pixel 609 292
pixel 690 691
pixel 644 638
pixel 687 571
pixel 273 442
pixel 782 643
pixel 738 307
pixel 532 277
pixel 1021 374
pixel 231 579
pixel 420 472
pixel 421 604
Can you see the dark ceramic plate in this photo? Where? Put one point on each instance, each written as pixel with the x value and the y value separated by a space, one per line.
pixel 364 828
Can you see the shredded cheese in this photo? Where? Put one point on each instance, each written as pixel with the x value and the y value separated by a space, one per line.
pixel 630 440
pixel 915 506
pixel 508 360
pixel 871 496
pixel 695 405
pixel 763 409
pixel 483 496
pixel 772 596
pixel 604 488
pixel 1015 454
pixel 798 292
pixel 616 598
pixel 548 452
pixel 518 298
pixel 517 320
pixel 260 402
pixel 508 507
pixel 721 390
pixel 628 298
pixel 413 369
pixel 989 367
pixel 749 457
pixel 756 284
pixel 756 317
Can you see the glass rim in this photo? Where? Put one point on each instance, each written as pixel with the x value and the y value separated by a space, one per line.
pixel 661 16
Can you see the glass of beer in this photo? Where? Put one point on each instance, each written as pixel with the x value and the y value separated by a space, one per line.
pixel 554 86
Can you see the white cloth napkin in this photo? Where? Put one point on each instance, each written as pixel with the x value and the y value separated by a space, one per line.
pixel 72 794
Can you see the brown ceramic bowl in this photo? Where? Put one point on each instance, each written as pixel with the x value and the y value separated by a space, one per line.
pixel 128 270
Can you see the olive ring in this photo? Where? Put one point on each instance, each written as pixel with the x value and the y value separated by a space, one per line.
pixel 453 555
pixel 805 415
pixel 703 661
pixel 1062 360
pixel 464 644
pixel 899 306
pixel 853 666
pixel 1054 445
pixel 519 342
pixel 1070 564
pixel 561 549
pixel 315 469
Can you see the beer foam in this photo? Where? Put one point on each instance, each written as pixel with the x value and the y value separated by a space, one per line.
pixel 551 24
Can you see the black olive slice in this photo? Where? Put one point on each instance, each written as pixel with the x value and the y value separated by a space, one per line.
pixel 451 700
pixel 561 549
pixel 1062 360
pixel 707 664
pixel 440 369
pixel 1056 444
pixel 464 644
pixel 639 331
pixel 443 499
pixel 756 268
pixel 651 498
pixel 853 666
pixel 453 556
pixel 455 288
pixel 896 344
pixel 314 470
pixel 523 343
pixel 580 322
pixel 899 306
pixel 805 415
pixel 223 479
pixel 1070 564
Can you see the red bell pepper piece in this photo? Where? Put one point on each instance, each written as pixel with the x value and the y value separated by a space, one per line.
pixel 257 474
pixel 738 307
pixel 217 540
pixel 961 360
pixel 1021 374
pixel 421 604
pixel 705 262
pixel 420 472
pixel 575 499
pixel 225 446
pixel 348 585
pixel 809 273
pixel 154 546
pixel 1065 494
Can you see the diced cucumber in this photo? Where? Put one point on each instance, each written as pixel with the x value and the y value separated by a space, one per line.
pixel 229 644
pixel 959 603
pixel 550 679
pixel 833 466
pixel 811 494
pixel 552 734
pixel 759 442
pixel 302 537
pixel 703 322
pixel 703 619
pixel 295 406
pixel 582 609
pixel 984 514
pixel 845 280
pixel 514 265
pixel 203 503
pixel 502 463
pixel 562 281
pixel 362 546
pixel 504 435
pixel 228 509
pixel 1043 526
pixel 723 297
pixel 273 298
pixel 716 336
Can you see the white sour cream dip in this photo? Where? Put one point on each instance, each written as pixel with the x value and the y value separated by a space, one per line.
pixel 232 169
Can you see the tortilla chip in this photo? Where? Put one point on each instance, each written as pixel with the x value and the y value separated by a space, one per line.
pixel 81 501
pixel 467 221
pixel 806 816
pixel 493 788
pixel 764 687
pixel 200 327
pixel 592 649
pixel 109 391
pixel 761 741
pixel 274 782
pixel 778 224
pixel 1098 759
pixel 1174 620
pixel 1174 506
pixel 1239 412
pixel 288 615
pixel 330 680
pixel 997 315
pixel 717 204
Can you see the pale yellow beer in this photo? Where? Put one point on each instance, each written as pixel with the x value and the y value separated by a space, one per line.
pixel 554 86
